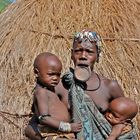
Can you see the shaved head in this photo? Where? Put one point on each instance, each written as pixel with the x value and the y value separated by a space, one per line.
pixel 125 106
pixel 47 69
pixel 44 58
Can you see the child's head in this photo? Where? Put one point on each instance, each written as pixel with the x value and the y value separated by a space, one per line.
pixel 121 110
pixel 47 68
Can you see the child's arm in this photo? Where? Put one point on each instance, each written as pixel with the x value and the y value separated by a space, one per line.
pixel 116 131
pixel 45 118
pixel 76 127
pixel 42 103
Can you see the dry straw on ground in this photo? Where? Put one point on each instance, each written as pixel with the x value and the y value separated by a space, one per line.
pixel 29 27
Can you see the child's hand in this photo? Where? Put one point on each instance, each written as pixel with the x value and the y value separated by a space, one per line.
pixel 116 131
pixel 76 127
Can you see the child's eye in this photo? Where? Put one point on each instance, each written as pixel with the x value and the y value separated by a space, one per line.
pixel 58 74
pixel 115 115
pixel 50 74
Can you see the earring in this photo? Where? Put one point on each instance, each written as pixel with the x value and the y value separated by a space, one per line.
pixel 97 59
pixel 71 64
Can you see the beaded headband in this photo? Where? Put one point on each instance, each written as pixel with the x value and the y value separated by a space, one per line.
pixel 88 35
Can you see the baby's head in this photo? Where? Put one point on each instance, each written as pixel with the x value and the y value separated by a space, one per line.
pixel 47 68
pixel 121 110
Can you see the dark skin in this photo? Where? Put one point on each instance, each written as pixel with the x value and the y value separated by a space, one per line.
pixel 48 70
pixel 120 111
pixel 85 54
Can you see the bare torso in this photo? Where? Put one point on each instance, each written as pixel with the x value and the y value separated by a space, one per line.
pixel 102 91
pixel 55 107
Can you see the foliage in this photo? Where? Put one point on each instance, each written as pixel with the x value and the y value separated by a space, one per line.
pixel 5 3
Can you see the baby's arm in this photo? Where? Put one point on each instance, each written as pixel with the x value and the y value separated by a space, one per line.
pixel 116 131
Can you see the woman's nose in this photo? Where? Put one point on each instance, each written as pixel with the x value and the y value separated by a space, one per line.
pixel 84 55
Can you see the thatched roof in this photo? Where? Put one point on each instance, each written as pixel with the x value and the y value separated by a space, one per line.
pixel 29 27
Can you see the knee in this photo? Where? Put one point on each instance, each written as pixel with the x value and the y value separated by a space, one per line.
pixel 31 134
pixel 26 131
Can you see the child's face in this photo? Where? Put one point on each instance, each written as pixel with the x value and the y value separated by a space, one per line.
pixel 49 73
pixel 113 116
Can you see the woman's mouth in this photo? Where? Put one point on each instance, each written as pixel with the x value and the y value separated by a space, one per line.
pixel 82 72
pixel 83 65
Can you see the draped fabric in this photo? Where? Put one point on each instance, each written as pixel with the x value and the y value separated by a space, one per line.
pixel 95 126
pixel 49 133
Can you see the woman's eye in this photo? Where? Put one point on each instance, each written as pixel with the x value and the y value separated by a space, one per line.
pixel 90 51
pixel 76 51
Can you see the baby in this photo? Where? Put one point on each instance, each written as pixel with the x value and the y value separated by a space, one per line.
pixel 120 113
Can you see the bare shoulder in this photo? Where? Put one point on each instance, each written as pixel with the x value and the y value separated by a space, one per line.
pixel 113 86
pixel 40 92
pixel 110 83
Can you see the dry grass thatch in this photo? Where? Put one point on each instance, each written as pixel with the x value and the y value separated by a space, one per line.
pixel 29 27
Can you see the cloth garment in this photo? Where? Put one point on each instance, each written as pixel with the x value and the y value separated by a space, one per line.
pixel 47 132
pixel 95 126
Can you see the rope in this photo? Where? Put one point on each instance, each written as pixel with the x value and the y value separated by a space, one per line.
pixel 122 39
pixel 71 37
pixel 14 115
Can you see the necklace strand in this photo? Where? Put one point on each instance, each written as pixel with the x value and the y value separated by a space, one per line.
pixel 98 85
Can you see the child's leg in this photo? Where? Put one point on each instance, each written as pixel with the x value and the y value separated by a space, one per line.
pixel 31 134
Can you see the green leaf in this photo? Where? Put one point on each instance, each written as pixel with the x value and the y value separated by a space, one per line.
pixel 5 3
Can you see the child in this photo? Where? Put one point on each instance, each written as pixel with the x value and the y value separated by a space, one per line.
pixel 121 111
pixel 49 109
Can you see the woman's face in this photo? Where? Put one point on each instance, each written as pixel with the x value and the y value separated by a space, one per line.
pixel 84 54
